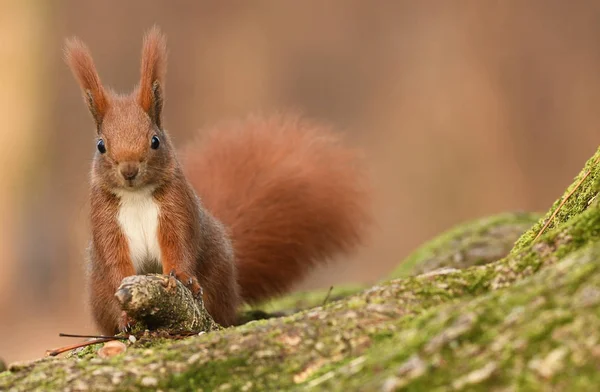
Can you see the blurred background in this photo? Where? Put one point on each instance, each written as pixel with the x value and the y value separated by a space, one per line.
pixel 464 108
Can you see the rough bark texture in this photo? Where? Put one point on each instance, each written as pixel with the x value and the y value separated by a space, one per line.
pixel 162 302
pixel 529 321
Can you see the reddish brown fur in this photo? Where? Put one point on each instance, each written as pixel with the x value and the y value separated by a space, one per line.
pixel 289 194
pixel 80 61
pixel 154 66
pixel 196 245
pixel 109 260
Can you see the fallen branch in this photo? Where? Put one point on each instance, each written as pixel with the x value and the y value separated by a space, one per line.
pixel 163 302
pixel 70 335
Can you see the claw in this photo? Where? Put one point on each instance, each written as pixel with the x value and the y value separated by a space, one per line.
pixel 172 273
pixel 126 324
pixel 199 294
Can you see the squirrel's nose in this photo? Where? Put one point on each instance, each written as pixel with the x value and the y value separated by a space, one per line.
pixel 129 170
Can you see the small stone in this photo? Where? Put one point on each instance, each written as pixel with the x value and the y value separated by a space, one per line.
pixel 149 381
pixel 132 339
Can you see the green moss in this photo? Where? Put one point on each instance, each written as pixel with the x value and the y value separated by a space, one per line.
pixel 532 335
pixel 310 299
pixel 476 242
pixel 85 352
pixel 582 193
pixel 208 377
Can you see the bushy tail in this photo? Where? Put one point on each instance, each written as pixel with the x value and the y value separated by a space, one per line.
pixel 290 194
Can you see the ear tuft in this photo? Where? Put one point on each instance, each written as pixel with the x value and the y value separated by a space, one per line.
pixel 78 58
pixel 154 67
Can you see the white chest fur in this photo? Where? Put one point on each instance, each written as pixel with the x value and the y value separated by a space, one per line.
pixel 138 218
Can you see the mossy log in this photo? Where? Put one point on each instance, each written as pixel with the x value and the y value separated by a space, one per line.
pixel 476 242
pixel 528 321
pixel 162 302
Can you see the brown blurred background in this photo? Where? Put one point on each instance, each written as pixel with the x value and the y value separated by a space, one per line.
pixel 465 109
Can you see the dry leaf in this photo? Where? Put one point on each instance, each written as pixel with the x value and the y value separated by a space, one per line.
pixel 112 348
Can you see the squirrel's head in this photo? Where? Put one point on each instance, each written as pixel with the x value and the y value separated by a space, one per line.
pixel 132 148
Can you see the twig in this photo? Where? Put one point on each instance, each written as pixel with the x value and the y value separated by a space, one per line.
pixel 562 203
pixel 327 296
pixel 68 335
pixel 55 352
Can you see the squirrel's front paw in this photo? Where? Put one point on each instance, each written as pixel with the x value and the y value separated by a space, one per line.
pixel 195 287
pixel 191 282
pixel 125 323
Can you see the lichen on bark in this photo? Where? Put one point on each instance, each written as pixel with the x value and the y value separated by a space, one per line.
pixel 527 321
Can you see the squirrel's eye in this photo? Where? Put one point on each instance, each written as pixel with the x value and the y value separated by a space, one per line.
pixel 101 146
pixel 155 142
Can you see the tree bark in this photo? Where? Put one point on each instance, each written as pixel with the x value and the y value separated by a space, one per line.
pixel 162 302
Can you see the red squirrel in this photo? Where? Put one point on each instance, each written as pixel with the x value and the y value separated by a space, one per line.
pixel 239 215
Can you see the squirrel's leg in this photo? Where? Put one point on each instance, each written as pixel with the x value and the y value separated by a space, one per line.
pixel 176 259
pixel 106 311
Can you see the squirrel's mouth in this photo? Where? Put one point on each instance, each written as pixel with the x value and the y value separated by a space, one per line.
pixel 130 184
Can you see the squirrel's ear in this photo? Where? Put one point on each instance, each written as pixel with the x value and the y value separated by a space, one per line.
pixel 82 65
pixel 154 65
